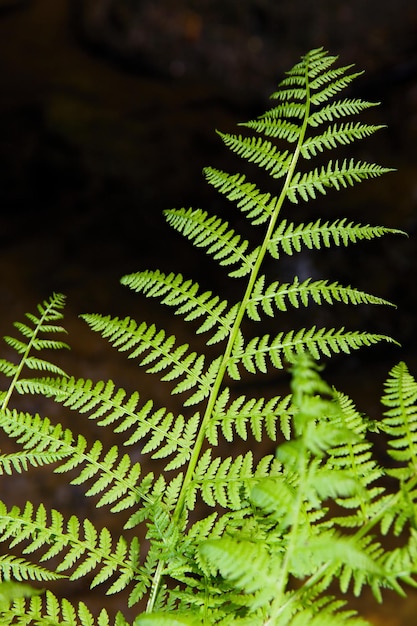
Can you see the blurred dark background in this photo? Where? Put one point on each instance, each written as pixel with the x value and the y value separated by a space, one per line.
pixel 107 116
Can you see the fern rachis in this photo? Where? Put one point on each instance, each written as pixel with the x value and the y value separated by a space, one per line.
pixel 270 520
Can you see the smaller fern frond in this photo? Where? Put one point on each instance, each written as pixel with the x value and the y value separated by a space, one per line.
pixel 260 151
pixel 243 416
pixel 211 232
pixel 17 568
pixel 227 482
pixel 21 461
pixel 338 109
pixel 315 341
pixel 48 610
pixel 230 558
pixel 177 361
pixel 355 456
pixel 160 432
pixel 112 476
pixel 80 550
pixel 338 134
pixel 296 294
pixel 289 237
pixel 335 175
pixel 328 84
pixel 258 206
pixel 34 338
pixel 275 127
pixel 400 420
pixel 183 294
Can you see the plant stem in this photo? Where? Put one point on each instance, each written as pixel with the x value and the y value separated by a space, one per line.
pixel 229 347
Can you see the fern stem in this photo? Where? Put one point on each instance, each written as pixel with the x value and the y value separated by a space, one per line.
pixel 231 341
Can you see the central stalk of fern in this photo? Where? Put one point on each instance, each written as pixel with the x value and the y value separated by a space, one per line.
pixel 241 311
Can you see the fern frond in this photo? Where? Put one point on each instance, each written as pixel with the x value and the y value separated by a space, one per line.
pixel 254 415
pixel 275 127
pixel 335 175
pixel 17 568
pixel 338 109
pixel 400 420
pixel 80 551
pixel 324 611
pixel 51 611
pixel 160 432
pixel 260 151
pixel 228 482
pixel 289 237
pixel 325 87
pixel 114 477
pixel 230 558
pixel 355 456
pixel 183 294
pixel 286 295
pixel 316 341
pixel 338 134
pixel 33 338
pixel 213 233
pixel 249 199
pixel 401 562
pixel 127 335
pixel 21 461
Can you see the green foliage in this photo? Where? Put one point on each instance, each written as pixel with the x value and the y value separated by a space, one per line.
pixel 217 539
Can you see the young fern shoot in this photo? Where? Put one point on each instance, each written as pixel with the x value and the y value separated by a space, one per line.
pixel 269 521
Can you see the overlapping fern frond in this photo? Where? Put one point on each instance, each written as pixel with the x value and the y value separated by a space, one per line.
pixel 50 611
pixel 34 336
pixel 271 518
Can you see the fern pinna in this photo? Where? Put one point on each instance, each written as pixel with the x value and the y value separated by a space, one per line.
pixel 269 521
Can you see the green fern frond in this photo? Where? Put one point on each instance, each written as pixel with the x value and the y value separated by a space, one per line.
pixel 114 477
pixel 325 611
pixel 80 550
pixel 338 109
pixel 325 87
pixel 271 520
pixel 183 294
pixel 317 341
pixel 260 151
pixel 227 482
pixel 213 233
pixel 402 564
pixel 21 461
pixel 127 335
pixel 51 611
pixel 278 128
pixel 286 295
pixel 33 338
pixel 160 432
pixel 289 237
pixel 255 415
pixel 317 60
pixel 355 456
pixel 400 420
pixel 333 175
pixel 230 558
pixel 258 206
pixel 338 134
pixel 17 568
